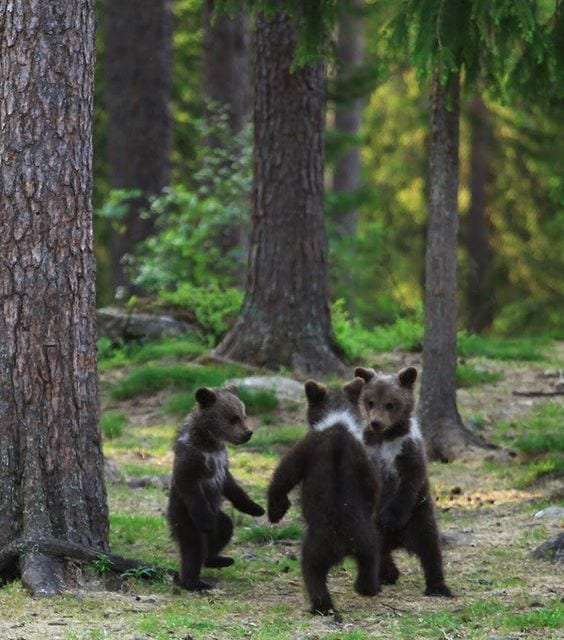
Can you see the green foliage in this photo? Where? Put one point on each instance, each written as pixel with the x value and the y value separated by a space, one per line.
pixel 355 341
pixel 153 574
pixel 214 308
pixel 266 534
pixel 154 378
pixel 495 348
pixel 102 565
pixel 265 439
pixel 113 424
pixel 468 375
pixel 259 401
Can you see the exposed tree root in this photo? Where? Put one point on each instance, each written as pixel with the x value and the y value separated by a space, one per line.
pixel 539 394
pixel 41 569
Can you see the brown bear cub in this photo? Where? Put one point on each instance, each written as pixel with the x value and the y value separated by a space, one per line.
pixel 201 478
pixel 339 493
pixel 393 440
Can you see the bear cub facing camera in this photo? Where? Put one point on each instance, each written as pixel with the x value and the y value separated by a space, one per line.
pixel 200 480
pixel 339 493
pixel 392 437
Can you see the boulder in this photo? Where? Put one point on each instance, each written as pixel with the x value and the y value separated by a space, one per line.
pixel 287 391
pixel 120 325
pixel 550 513
pixel 552 549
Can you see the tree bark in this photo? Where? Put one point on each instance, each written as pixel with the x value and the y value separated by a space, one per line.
pixel 51 466
pixel 226 67
pixel 440 421
pixel 138 83
pixel 480 297
pixel 348 113
pixel 285 319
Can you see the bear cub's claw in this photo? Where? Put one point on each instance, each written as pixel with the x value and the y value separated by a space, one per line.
pixel 441 591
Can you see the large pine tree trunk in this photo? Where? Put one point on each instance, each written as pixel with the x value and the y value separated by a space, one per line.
pixel 286 319
pixel 348 113
pixel 226 70
pixel 138 79
pixel 441 423
pixel 51 469
pixel 480 297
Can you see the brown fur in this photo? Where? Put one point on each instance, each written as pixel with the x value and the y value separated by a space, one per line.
pixel 200 480
pixel 406 517
pixel 339 494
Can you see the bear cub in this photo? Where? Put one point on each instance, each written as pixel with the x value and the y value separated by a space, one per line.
pixel 392 437
pixel 339 493
pixel 201 478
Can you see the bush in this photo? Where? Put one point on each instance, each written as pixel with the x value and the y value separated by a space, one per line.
pixel 258 402
pixel 111 356
pixel 113 423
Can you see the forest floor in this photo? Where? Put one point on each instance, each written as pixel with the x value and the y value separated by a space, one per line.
pixel 486 506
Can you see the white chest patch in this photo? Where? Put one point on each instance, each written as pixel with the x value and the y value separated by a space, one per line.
pixel 345 418
pixel 217 465
pixel 389 450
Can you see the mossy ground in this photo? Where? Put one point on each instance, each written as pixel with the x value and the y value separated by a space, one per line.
pixel 485 506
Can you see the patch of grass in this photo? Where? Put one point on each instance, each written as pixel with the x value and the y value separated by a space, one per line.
pixel 142 536
pixel 153 378
pixel 258 402
pixel 138 469
pixel 495 348
pixel 551 616
pixel 266 534
pixel 113 423
pixel 266 438
pixel 186 347
pixel 468 375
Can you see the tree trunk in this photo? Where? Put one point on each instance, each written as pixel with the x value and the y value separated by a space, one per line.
pixel 480 297
pixel 286 319
pixel 226 64
pixel 138 81
pixel 441 423
pixel 51 467
pixel 348 113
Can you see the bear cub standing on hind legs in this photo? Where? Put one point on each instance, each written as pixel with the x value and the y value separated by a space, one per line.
pixel 339 493
pixel 201 478
pixel 392 437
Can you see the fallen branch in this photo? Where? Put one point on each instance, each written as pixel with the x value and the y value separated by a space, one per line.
pixel 539 394
pixel 63 549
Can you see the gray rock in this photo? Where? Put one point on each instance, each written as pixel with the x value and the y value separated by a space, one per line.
pixel 550 513
pixel 287 391
pixel 552 550
pixel 120 325
pixel 112 472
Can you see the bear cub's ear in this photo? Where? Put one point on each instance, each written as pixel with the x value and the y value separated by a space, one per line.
pixel 353 389
pixel 314 391
pixel 205 397
pixel 232 388
pixel 407 377
pixel 365 374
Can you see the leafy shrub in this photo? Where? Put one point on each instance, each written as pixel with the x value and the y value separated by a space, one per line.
pixel 214 307
pixel 259 401
pixel 495 348
pixel 111 356
pixel 469 376
pixel 113 423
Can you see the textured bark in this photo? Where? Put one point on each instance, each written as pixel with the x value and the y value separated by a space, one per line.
pixel 285 320
pixel 348 114
pixel 480 296
pixel 226 70
pixel 138 82
pixel 51 467
pixel 441 423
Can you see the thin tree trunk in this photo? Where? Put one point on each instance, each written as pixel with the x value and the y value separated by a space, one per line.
pixel 348 113
pixel 226 69
pixel 480 297
pixel 138 81
pixel 441 423
pixel 51 469
pixel 286 319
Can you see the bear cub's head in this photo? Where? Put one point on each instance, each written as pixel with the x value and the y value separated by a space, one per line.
pixel 223 415
pixel 328 405
pixel 386 401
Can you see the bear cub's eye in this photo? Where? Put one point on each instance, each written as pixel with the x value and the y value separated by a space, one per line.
pixel 234 419
pixel 389 406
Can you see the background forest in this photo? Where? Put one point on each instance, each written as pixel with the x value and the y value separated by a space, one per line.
pixel 189 251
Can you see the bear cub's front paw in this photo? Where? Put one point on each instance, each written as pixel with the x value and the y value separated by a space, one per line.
pixel 277 509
